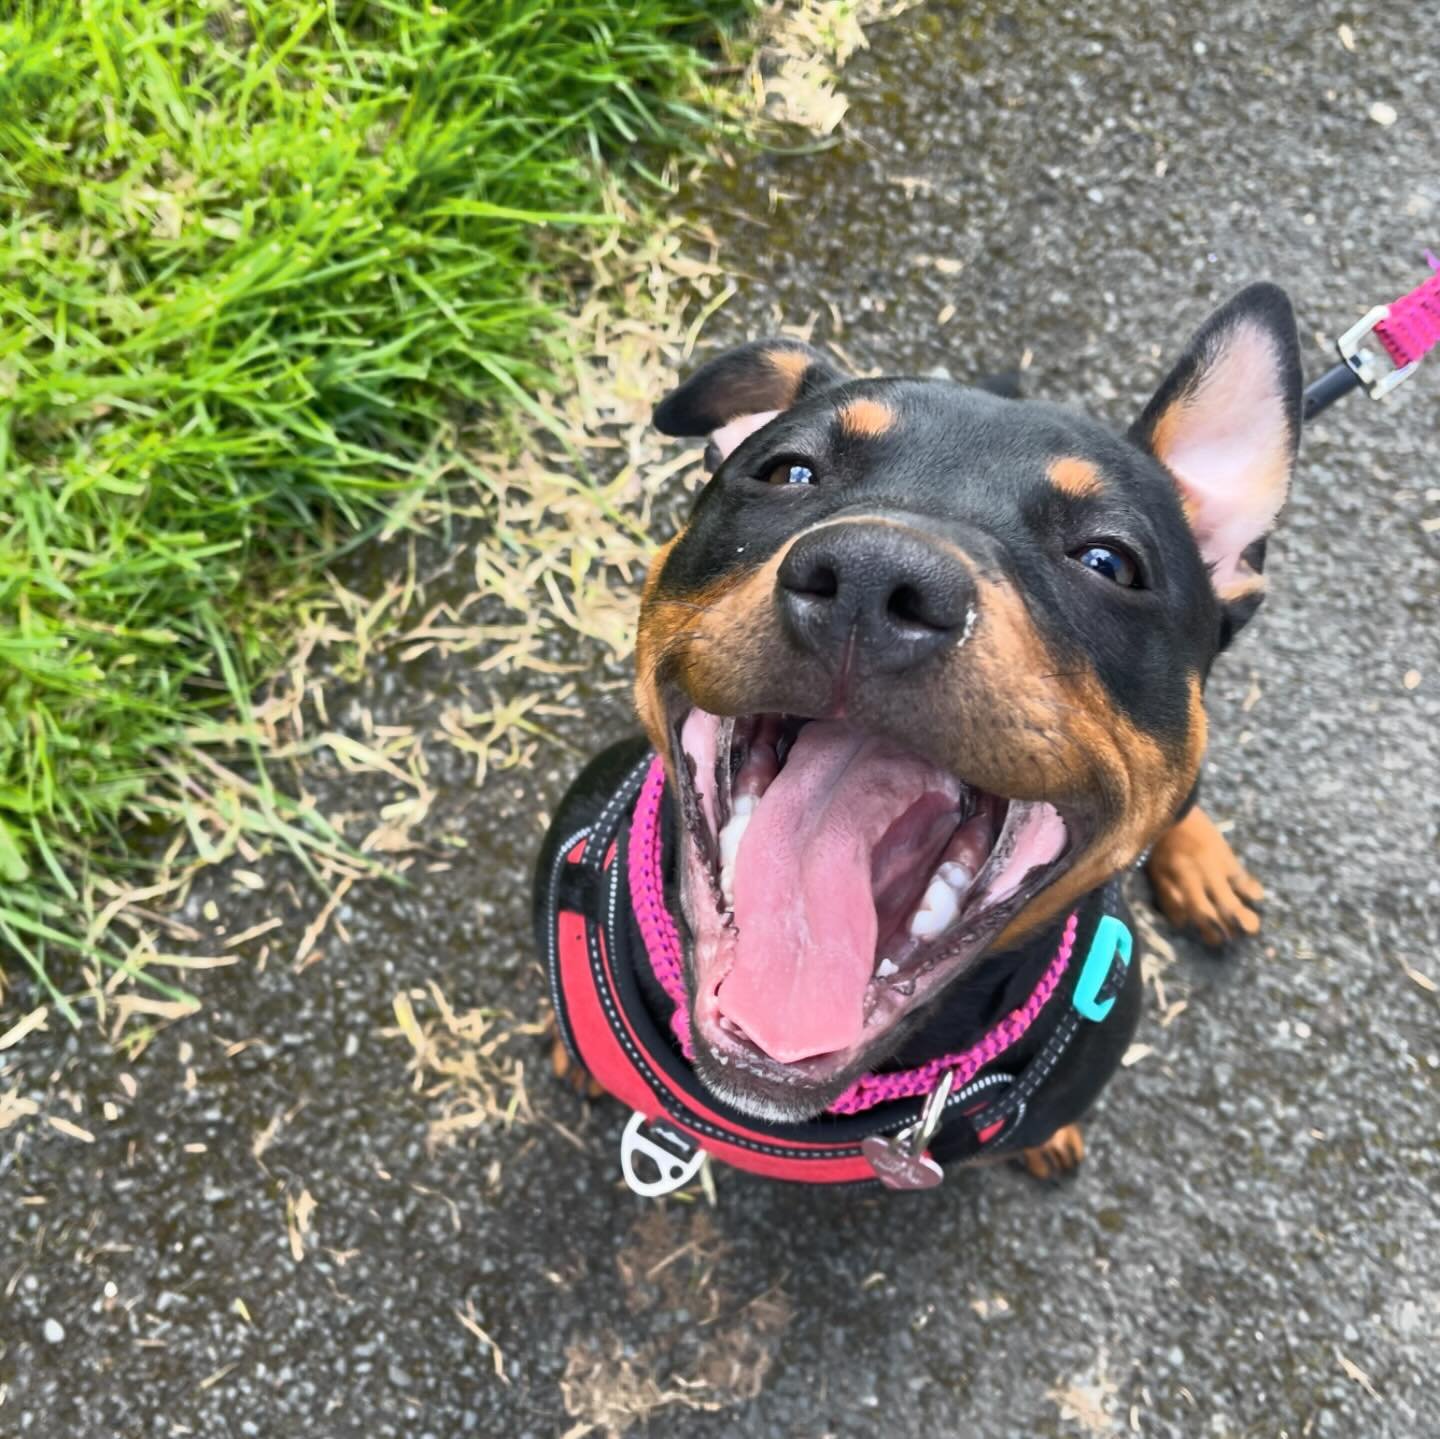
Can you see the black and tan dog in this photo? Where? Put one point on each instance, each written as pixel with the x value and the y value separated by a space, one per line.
pixel 926 671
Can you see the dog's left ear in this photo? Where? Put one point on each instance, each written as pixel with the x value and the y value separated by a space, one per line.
pixel 738 392
pixel 1226 424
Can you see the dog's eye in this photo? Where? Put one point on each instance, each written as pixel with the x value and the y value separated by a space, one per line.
pixel 1110 561
pixel 790 472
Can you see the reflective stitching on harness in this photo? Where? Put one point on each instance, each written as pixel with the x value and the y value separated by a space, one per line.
pixel 1036 1075
pixel 1044 1062
pixel 1001 1107
pixel 552 950
pixel 608 824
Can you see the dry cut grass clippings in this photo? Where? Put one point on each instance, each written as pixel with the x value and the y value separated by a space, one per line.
pixel 672 1259
pixel 794 74
pixel 465 1064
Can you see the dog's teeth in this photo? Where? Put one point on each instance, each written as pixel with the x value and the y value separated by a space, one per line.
pixel 886 968
pixel 937 910
pixel 958 876
pixel 925 924
pixel 968 850
pixel 730 838
pixel 745 804
pixel 727 887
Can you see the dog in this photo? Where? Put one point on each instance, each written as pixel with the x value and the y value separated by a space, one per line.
pixel 920 678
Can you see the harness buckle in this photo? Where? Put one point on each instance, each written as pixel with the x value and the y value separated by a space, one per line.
pixel 675 1157
pixel 1105 965
pixel 1365 362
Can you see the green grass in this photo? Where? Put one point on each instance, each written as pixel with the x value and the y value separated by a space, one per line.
pixel 256 261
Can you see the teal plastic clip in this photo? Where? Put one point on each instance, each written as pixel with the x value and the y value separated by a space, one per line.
pixel 1112 938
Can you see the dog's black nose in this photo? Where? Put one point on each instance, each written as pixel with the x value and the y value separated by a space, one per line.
pixel 884 587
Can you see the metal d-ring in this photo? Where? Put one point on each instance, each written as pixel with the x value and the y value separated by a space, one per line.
pixel 923 1130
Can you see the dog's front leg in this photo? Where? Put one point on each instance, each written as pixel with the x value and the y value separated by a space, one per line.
pixel 1199 882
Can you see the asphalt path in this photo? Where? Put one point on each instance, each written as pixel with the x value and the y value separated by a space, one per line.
pixel 1251 1246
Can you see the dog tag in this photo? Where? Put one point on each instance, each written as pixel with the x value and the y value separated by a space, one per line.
pixel 900 1161
pixel 895 1167
pixel 673 1157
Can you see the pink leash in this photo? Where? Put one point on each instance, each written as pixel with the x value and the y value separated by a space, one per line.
pixel 1407 330
pixel 662 944
pixel 1411 328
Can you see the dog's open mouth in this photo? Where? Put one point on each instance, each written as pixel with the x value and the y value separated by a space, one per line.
pixel 835 882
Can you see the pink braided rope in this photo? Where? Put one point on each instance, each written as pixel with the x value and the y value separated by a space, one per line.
pixel 1412 328
pixel 647 898
pixel 872 1089
pixel 662 944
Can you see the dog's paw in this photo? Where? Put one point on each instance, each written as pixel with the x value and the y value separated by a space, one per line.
pixel 575 1075
pixel 1060 1155
pixel 1199 883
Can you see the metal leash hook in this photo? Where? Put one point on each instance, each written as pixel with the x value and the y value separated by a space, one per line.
pixel 899 1160
pixel 1415 319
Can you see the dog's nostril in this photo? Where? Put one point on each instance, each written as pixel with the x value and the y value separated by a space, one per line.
pixel 819 581
pixel 907 606
pixel 883 592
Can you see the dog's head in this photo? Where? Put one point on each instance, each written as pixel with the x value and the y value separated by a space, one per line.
pixel 926 667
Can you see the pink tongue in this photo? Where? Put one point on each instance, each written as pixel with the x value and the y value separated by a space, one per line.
pixel 803 899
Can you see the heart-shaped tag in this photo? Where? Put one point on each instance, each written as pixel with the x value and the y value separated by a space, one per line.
pixel 896 1167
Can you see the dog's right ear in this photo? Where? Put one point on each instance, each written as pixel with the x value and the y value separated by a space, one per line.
pixel 735 394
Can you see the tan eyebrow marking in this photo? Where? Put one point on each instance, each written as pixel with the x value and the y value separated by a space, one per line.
pixel 1076 477
pixel 866 419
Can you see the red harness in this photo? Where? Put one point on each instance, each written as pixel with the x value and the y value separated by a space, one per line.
pixel 606 885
